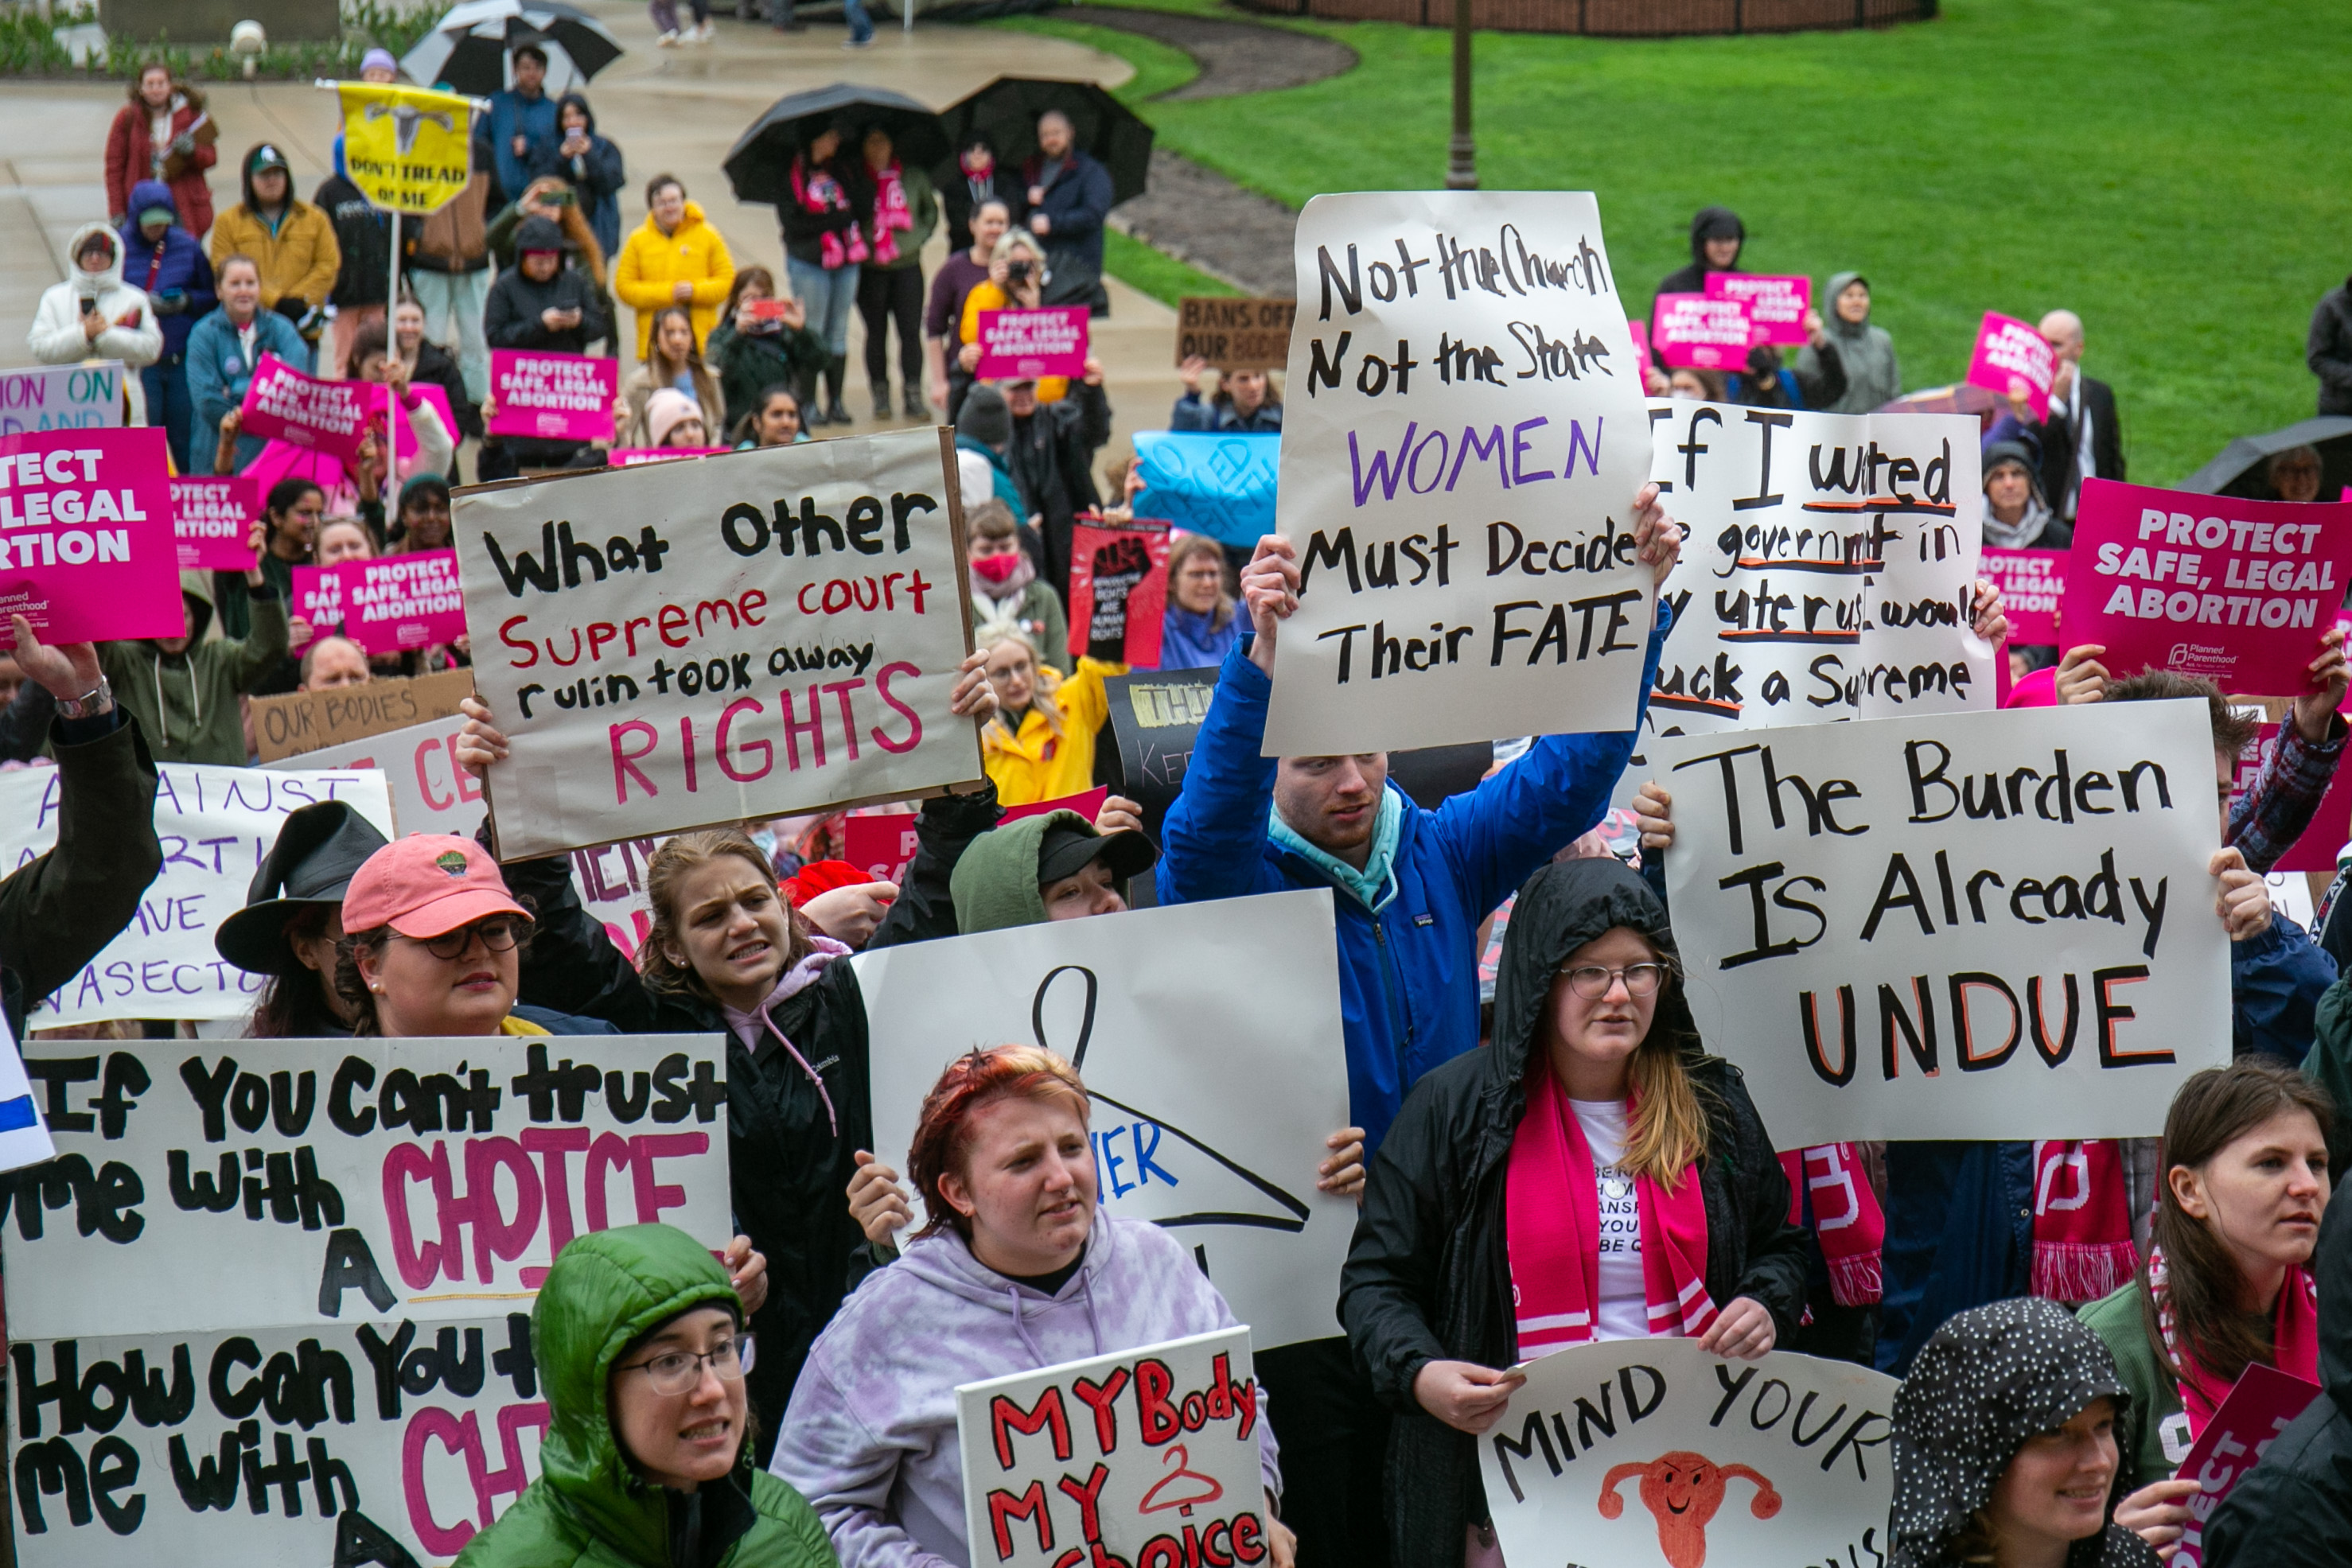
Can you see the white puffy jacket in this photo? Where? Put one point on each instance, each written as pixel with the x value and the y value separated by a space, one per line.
pixel 57 338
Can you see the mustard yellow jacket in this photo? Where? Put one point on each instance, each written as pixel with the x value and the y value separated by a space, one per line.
pixel 653 264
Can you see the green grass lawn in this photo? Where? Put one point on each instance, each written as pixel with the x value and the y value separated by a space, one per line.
pixel 2175 170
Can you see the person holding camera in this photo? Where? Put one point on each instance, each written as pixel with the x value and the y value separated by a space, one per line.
pixel 94 314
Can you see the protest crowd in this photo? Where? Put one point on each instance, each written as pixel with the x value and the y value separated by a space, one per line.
pixel 1546 1120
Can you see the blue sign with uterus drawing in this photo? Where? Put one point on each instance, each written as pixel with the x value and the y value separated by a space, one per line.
pixel 1209 1039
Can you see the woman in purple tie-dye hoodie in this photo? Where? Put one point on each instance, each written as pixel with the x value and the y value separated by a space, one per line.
pixel 1018 1270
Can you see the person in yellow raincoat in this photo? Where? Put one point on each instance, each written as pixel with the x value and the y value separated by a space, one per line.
pixel 1041 743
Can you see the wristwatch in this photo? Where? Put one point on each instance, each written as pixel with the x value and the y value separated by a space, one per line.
pixel 93 704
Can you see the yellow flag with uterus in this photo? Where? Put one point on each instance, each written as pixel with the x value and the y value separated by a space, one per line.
pixel 406 148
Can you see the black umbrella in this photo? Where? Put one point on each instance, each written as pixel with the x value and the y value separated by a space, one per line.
pixel 1006 111
pixel 760 166
pixel 2243 466
pixel 469 46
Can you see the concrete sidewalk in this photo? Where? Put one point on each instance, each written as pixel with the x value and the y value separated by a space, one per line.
pixel 675 111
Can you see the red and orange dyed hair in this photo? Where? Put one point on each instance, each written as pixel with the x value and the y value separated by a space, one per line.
pixel 943 1136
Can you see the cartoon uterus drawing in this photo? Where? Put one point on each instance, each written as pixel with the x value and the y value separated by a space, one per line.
pixel 1682 1490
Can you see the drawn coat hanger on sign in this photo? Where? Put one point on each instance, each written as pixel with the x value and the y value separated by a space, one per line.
pixel 1191 1489
pixel 1158 1152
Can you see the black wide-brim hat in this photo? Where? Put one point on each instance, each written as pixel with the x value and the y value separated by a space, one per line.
pixel 319 850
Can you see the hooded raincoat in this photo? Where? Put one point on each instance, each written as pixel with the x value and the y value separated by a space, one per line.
pixel 185 702
pixel 1866 353
pixel 1992 1379
pixel 173 272
pixel 589 1507
pixel 57 338
pixel 870 1440
pixel 2295 1508
pixel 1718 222
pixel 653 264
pixel 1428 1275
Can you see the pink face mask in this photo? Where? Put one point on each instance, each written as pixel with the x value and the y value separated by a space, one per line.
pixel 996 568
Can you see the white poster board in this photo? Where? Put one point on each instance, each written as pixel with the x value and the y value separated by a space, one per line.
pixel 1651 1453
pixel 1463 438
pixel 428 791
pixel 1966 925
pixel 1142 1456
pixel 61 397
pixel 751 636
pixel 1209 1038
pixel 216 825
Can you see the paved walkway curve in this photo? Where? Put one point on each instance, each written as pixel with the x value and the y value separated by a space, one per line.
pixel 1235 56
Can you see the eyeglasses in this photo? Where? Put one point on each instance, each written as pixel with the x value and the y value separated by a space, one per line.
pixel 677 1371
pixel 1591 981
pixel 499 934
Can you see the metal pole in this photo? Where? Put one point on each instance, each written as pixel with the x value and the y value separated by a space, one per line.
pixel 1462 154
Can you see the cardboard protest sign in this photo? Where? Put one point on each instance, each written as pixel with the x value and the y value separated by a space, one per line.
pixel 429 792
pixel 284 405
pixel 772 632
pixel 1459 578
pixel 212 520
pixel 2239 591
pixel 2258 1408
pixel 1776 306
pixel 1147 1457
pixel 1154 718
pixel 61 397
pixel 217 824
pixel 1694 329
pixel 1220 485
pixel 1163 1011
pixel 553 397
pixel 1964 925
pixel 2013 357
pixel 1023 345
pixel 1119 592
pixel 87 552
pixel 406 148
pixel 23 1135
pixel 1234 334
pixel 1828 570
pixel 302 722
pixel 2033 584
pixel 391 603
pixel 351 1179
pixel 1651 1453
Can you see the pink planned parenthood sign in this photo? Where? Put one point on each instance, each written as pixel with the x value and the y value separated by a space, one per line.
pixel 1021 345
pixel 212 520
pixel 87 552
pixel 2011 354
pixel 2239 591
pixel 388 605
pixel 1776 305
pixel 284 405
pixel 1695 330
pixel 2259 1407
pixel 553 397
pixel 2032 582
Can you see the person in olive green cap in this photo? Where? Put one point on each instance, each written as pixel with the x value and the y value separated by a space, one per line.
pixel 1057 866
pixel 640 1344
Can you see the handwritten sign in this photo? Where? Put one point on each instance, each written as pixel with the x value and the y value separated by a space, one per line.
pixel 1024 344
pixel 2258 1408
pixel 1163 1010
pixel 552 397
pixel 87 548
pixel 1965 926
pixel 1234 334
pixel 1462 444
pixel 1147 1456
pixel 429 792
pixel 212 518
pixel 2013 357
pixel 767 633
pixel 2239 591
pixel 1155 717
pixel 1119 592
pixel 302 722
pixel 1651 1453
pixel 61 397
pixel 1776 306
pixel 1220 485
pixel 1694 329
pixel 2033 584
pixel 284 405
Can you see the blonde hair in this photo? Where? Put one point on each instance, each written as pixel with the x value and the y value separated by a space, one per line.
pixel 1015 239
pixel 677 860
pixel 1046 676
pixel 1666 1135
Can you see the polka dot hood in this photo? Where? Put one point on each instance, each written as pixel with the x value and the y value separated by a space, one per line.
pixel 1989 1379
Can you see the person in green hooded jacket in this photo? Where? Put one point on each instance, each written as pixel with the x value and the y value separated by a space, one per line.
pixel 184 690
pixel 646 1462
pixel 1866 353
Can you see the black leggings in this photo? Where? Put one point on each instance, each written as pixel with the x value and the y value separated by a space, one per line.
pixel 883 293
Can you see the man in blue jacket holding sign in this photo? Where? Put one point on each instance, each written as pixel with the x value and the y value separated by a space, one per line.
pixel 1411 888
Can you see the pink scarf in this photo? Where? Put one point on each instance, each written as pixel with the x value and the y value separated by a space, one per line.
pixel 1551 1218
pixel 890 212
pixel 818 192
pixel 2081 1221
pixel 748 1026
pixel 1849 1226
pixel 2294 1340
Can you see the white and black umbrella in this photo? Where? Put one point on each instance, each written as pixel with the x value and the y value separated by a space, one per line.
pixel 470 47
